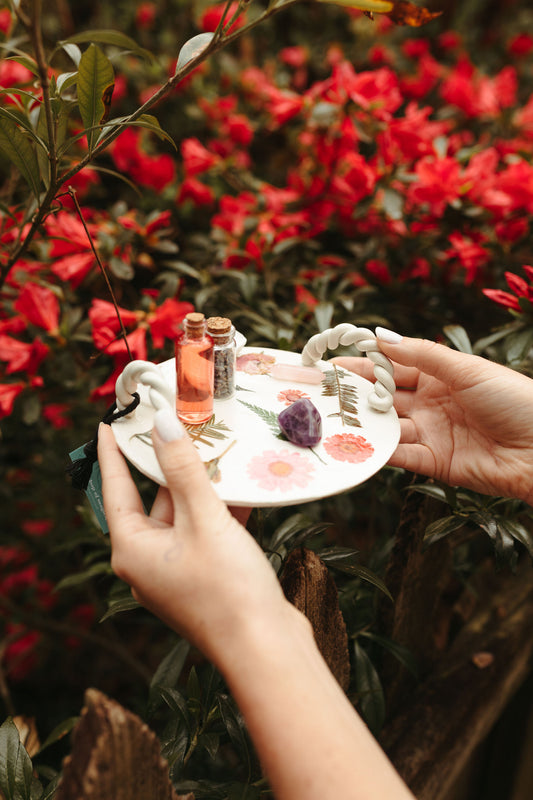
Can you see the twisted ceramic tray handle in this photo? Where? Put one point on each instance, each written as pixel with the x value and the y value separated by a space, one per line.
pixel 381 398
pixel 161 393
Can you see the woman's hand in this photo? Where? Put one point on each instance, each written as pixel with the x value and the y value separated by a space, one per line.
pixel 464 420
pixel 190 562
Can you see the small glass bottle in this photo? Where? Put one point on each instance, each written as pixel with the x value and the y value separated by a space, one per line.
pixel 194 371
pixel 223 334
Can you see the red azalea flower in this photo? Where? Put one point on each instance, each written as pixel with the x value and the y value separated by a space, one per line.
pixel 8 394
pixel 438 183
pixel 304 297
pixel 196 158
pixel 103 317
pixel 6 21
pixel 378 270
pixel 13 74
pixel 22 356
pixel 70 250
pixel 58 415
pixel 20 653
pixel 196 191
pixel 520 45
pixel 153 171
pixel 40 306
pixel 164 320
pixel 502 298
pixel 471 255
pixel 145 15
pixel 37 527
pixel 212 16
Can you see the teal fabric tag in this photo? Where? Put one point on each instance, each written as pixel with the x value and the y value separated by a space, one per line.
pixel 94 490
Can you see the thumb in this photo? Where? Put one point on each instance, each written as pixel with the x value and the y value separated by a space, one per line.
pixel 182 467
pixel 449 366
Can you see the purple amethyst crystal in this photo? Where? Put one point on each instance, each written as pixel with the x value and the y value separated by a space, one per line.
pixel 301 423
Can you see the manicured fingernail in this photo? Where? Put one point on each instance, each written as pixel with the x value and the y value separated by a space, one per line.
pixel 391 337
pixel 168 425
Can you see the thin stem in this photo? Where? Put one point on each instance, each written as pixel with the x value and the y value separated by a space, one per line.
pixel 72 193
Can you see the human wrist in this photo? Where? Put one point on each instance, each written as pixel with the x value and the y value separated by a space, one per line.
pixel 276 629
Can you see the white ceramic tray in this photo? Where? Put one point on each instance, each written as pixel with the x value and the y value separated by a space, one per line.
pixel 248 463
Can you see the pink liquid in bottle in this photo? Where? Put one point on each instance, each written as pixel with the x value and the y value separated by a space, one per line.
pixel 194 371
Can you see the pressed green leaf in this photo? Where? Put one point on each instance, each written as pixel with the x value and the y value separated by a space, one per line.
pixel 16 771
pixel 96 80
pixel 458 337
pixel 114 38
pixel 369 690
pixel 20 152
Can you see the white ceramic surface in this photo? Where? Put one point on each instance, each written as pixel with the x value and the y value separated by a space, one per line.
pixel 248 464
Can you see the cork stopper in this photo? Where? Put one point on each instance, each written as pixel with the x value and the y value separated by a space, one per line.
pixel 194 324
pixel 218 325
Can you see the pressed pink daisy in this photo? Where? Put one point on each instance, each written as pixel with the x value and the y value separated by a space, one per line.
pixel 255 363
pixel 347 447
pixel 289 396
pixel 280 469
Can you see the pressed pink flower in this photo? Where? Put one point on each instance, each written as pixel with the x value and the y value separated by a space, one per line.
pixel 255 363
pixel 289 396
pixel 348 447
pixel 280 470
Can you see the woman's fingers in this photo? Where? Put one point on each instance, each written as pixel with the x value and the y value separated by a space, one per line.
pixel 185 474
pixel 121 498
pixel 449 366
pixel 404 377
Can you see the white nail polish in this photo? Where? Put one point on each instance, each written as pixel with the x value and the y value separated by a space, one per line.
pixel 168 425
pixel 390 337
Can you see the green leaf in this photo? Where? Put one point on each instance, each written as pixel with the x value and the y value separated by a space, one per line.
pixel 95 570
pixel 402 654
pixel 459 338
pixel 118 606
pixel 20 152
pixel 169 670
pixel 60 731
pixel 26 61
pixel 518 345
pixel 360 571
pixel 210 742
pixel 96 80
pixel 151 123
pixel 16 771
pixel 175 701
pixel 442 527
pixel 114 38
pixel 371 699
pixel 146 121
pixel 520 533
